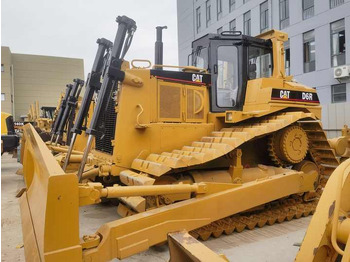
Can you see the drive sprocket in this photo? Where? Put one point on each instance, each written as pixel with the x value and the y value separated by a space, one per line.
pixel 288 146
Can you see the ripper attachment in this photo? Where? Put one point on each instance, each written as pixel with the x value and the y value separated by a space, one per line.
pixel 93 84
pixel 71 105
pixel 112 76
pixel 63 105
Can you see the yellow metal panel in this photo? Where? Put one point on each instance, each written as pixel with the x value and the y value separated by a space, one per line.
pixel 153 168
pixel 218 145
pixel 317 245
pixel 31 249
pixel 131 178
pixel 183 247
pixel 130 235
pixel 170 108
pixel 53 200
pixel 197 106
pixel 4 116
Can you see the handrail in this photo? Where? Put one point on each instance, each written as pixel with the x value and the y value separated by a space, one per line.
pixel 184 68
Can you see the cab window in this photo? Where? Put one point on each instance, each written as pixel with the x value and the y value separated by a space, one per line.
pixel 227 76
pixel 200 57
pixel 260 62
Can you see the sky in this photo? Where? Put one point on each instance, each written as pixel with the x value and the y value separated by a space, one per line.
pixel 70 28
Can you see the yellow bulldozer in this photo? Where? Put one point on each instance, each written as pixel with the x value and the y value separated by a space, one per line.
pixel 41 119
pixel 341 144
pixel 227 143
pixel 326 239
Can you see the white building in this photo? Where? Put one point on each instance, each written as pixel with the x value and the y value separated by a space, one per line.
pixel 319 35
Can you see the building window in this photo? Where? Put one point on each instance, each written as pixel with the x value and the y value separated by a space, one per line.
pixel 2 68
pixel 198 19
pixel 339 93
pixel 309 51
pixel 232 4
pixel 232 25
pixel 308 9
pixel 246 23
pixel 287 57
pixel 284 13
pixel 338 43
pixel 2 96
pixel 335 3
pixel 218 9
pixel 264 16
pixel 219 31
pixel 207 11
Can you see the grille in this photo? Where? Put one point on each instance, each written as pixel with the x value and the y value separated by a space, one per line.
pixel 107 128
pixel 170 102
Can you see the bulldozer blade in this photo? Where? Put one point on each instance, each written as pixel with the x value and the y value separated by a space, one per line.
pixel 50 206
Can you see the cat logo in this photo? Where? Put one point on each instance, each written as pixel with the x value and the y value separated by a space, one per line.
pixel 197 78
pixel 284 94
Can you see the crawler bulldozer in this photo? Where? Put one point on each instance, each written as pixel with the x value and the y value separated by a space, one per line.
pixel 226 143
pixel 64 118
pixel 41 119
pixel 341 144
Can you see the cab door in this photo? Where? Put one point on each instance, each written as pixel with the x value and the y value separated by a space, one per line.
pixel 226 91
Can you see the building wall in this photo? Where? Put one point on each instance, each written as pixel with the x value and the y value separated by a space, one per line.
pixel 322 78
pixel 6 82
pixel 41 78
pixel 186 29
pixel 334 116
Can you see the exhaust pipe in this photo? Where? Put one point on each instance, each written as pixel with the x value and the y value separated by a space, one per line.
pixel 158 54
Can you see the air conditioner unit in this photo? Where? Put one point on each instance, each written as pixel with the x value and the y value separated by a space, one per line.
pixel 342 71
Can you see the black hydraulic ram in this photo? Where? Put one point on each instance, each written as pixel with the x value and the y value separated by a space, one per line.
pixel 112 77
pixel 93 84
pixel 63 105
pixel 72 102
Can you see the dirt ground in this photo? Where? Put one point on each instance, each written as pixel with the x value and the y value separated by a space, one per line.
pixel 270 244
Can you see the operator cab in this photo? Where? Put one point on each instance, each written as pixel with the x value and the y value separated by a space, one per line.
pixel 48 111
pixel 231 59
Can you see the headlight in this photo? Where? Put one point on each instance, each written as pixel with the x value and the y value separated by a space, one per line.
pixel 229 116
